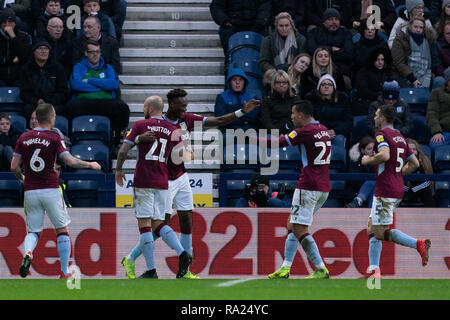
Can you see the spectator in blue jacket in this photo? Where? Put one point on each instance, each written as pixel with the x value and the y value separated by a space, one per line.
pixel 233 98
pixel 95 84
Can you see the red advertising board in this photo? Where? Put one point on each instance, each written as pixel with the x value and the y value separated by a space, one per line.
pixel 230 243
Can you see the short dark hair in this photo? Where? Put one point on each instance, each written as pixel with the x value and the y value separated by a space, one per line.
pixel 47 1
pixel 388 111
pixel 44 112
pixel 87 1
pixel 176 93
pixel 95 18
pixel 5 116
pixel 92 43
pixel 304 106
pixel 364 142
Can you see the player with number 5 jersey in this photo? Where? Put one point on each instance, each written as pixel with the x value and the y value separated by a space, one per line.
pixel 313 140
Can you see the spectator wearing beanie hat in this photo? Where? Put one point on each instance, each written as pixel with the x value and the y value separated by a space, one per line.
pixel 337 39
pixel 316 9
pixel 391 95
pixel 443 19
pixel 436 7
pixel 438 113
pixel 15 48
pixel 413 8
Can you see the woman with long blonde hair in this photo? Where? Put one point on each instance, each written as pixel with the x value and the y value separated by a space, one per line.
pixel 300 64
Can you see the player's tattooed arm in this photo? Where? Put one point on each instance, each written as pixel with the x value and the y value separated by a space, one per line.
pixel 230 117
pixel 15 168
pixel 121 156
pixel 76 163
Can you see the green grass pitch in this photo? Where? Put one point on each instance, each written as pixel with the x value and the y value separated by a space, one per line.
pixel 223 289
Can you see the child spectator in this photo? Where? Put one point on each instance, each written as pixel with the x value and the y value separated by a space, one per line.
pixel 8 139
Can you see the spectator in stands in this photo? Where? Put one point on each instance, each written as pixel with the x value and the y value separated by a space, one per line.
pixel 296 8
pixel 235 16
pixel 369 80
pixel 8 139
pixel 441 57
pixel 420 191
pixel 95 85
pixel 322 63
pixel 316 9
pixel 414 8
pixel 444 18
pixel 370 41
pixel 233 98
pixel 391 95
pixel 52 9
pixel 411 55
pixel 300 64
pixel 109 45
pixel 436 7
pixel 258 194
pixel 42 79
pixel 61 43
pixel 91 8
pixel 279 49
pixel 38 7
pixel 276 108
pixel 387 11
pixel 337 39
pixel 33 120
pixel 34 123
pixel 360 191
pixel 15 48
pixel 438 114
pixel 116 10
pixel 21 9
pixel 267 81
pixel 332 109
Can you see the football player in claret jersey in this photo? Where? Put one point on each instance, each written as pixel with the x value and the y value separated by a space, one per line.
pixel 151 185
pixel 392 160
pixel 313 140
pixel 37 150
pixel 180 194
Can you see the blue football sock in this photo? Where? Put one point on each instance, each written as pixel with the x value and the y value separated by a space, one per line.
pixel 311 250
pixel 31 241
pixel 63 245
pixel 170 238
pixel 290 248
pixel 399 237
pixel 147 246
pixel 186 242
pixel 375 247
pixel 135 253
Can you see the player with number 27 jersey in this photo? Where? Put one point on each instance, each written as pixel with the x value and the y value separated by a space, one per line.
pixel 38 148
pixel 389 179
pixel 151 168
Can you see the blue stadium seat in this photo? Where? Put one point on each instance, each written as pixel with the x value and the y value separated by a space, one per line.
pixel 441 192
pixel 10 99
pixel 244 54
pixel 10 193
pixel 442 158
pixel 255 83
pixel 91 128
pixel 244 39
pixel 426 150
pixel 83 193
pixel 417 98
pixel 289 158
pixel 357 37
pixel 250 67
pixel 92 150
pixel 234 191
pixel 420 131
pixel 18 122
pixel 338 158
pixel 240 152
pixel 335 196
pixel 400 8
pixel 62 124
pixel 359 128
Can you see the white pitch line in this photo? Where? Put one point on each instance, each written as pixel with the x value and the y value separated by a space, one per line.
pixel 233 282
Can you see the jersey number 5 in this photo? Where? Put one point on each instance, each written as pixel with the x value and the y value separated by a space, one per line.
pixel 399 159
pixel 160 158
pixel 319 159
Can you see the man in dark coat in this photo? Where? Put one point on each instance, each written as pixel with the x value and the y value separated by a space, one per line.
pixel 316 8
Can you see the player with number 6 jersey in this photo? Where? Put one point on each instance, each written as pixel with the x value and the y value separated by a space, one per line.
pixel 313 140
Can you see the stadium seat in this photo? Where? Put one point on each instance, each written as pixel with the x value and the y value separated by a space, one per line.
pixel 10 193
pixel 10 100
pixel 426 150
pixel 250 67
pixel 82 193
pixel 234 192
pixel 92 150
pixel 335 196
pixel 420 131
pixel 400 8
pixel 18 122
pixel 244 39
pixel 359 128
pixel 255 83
pixel 248 156
pixel 62 124
pixel 441 192
pixel 417 98
pixel 289 158
pixel 91 128
pixel 244 54
pixel 357 37
pixel 338 158
pixel 442 158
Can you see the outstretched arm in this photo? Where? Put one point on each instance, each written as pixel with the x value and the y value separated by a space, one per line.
pixel 121 156
pixel 76 163
pixel 230 117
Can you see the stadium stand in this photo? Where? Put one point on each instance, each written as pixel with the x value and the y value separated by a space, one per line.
pixel 92 150
pixel 11 192
pixel 10 100
pixel 91 128
pixel 18 122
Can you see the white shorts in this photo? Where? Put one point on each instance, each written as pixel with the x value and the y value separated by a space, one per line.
pixel 305 204
pixel 180 195
pixel 150 203
pixel 38 202
pixel 382 212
